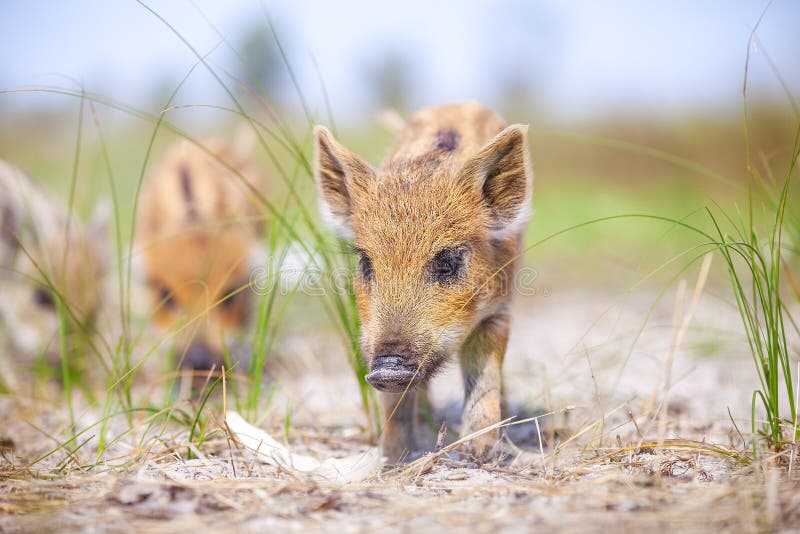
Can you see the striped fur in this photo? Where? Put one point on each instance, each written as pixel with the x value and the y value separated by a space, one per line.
pixel 453 196
pixel 198 227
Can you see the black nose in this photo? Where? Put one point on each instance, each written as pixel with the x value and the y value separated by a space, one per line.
pixel 199 357
pixel 392 372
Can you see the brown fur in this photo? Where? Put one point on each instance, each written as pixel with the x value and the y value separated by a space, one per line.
pixel 456 180
pixel 44 254
pixel 197 227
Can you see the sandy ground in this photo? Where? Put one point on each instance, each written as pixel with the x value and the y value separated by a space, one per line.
pixel 644 435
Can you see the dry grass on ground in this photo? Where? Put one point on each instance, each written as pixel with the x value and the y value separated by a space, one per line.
pixel 595 489
pixel 611 457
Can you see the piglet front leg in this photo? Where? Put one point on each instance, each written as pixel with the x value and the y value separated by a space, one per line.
pixel 481 366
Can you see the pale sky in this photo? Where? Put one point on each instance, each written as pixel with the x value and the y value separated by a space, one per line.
pixel 582 57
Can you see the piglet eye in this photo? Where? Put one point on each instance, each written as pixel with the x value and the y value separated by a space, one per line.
pixel 230 296
pixel 447 265
pixel 365 266
pixel 165 297
pixel 44 298
pixel 364 263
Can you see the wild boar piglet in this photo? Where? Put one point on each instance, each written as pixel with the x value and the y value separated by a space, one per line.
pixel 437 228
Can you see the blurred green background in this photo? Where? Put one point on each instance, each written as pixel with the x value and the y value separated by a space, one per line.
pixel 634 108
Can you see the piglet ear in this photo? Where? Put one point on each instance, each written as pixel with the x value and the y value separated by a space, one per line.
pixel 502 171
pixel 340 174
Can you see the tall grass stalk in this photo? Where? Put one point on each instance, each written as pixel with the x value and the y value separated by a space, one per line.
pixel 60 304
pixel 754 267
pixel 761 308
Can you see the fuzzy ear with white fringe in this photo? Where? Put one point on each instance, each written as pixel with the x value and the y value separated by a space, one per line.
pixel 502 171
pixel 339 174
